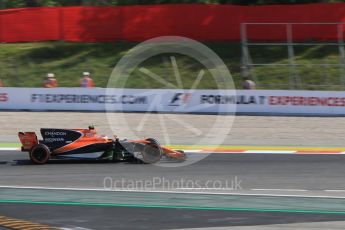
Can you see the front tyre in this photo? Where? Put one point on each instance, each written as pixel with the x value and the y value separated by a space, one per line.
pixel 39 154
pixel 152 152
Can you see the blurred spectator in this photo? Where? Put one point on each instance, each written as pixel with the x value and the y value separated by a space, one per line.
pixel 50 81
pixel 248 84
pixel 1 83
pixel 86 81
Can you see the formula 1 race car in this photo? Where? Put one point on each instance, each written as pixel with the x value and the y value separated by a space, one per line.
pixel 87 144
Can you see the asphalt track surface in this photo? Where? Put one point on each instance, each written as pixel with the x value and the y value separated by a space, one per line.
pixel 251 190
pixel 313 173
pixel 152 218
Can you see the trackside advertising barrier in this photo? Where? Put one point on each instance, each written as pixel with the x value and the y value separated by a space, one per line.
pixel 177 101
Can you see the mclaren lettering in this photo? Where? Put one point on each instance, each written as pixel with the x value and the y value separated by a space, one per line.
pixel 86 99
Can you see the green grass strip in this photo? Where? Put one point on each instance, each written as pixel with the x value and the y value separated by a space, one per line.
pixel 171 207
pixel 9 145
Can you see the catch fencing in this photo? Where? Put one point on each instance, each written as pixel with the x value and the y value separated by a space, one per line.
pixel 324 70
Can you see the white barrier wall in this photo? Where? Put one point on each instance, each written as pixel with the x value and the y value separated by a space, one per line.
pixel 180 101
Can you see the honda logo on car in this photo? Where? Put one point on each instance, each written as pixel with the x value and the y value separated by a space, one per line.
pixel 56 139
pixel 3 97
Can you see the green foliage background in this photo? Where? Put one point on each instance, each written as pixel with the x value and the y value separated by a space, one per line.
pixel 26 65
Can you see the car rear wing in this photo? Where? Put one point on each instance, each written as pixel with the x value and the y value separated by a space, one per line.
pixel 28 140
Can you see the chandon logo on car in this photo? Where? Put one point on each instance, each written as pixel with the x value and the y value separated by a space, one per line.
pixel 55 134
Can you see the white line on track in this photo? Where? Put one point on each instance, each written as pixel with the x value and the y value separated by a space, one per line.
pixel 220 189
pixel 335 190
pixel 272 151
pixel 175 192
pixel 9 149
pixel 75 228
pixel 190 151
pixel 278 189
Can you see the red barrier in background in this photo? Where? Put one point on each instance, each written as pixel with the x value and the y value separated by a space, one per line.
pixel 37 24
pixel 138 23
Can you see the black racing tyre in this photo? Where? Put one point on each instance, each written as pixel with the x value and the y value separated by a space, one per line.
pixel 152 152
pixel 39 154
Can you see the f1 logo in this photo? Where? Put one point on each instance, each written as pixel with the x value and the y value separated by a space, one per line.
pixel 180 99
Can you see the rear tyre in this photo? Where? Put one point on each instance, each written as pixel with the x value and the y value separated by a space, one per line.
pixel 39 154
pixel 152 152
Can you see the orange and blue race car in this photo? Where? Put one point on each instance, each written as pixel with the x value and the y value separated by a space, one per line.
pixel 87 144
